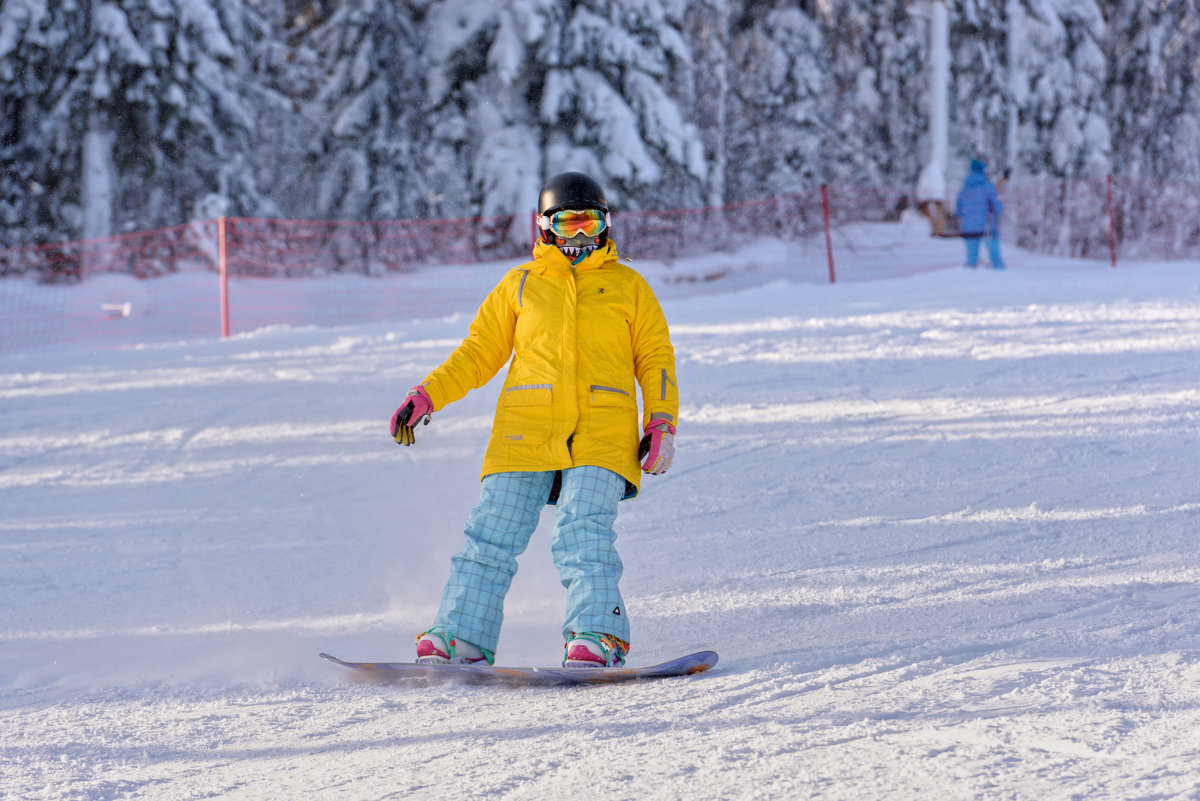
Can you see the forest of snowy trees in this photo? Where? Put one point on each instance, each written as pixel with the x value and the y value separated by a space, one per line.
pixel 139 114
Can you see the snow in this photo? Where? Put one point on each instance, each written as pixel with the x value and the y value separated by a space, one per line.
pixel 941 530
pixel 114 34
pixel 19 16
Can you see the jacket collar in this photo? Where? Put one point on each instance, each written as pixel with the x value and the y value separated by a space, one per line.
pixel 552 257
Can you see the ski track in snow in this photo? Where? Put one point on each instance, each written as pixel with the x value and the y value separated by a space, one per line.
pixel 941 530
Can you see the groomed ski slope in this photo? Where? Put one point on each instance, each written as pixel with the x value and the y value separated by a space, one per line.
pixel 942 530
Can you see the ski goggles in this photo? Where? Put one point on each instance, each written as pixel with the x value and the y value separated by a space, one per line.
pixel 569 223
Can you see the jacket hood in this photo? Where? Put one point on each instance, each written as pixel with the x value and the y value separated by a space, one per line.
pixel 978 174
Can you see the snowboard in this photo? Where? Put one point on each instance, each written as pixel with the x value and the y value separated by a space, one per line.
pixel 412 673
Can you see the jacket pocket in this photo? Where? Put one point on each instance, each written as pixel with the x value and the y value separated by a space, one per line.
pixel 526 416
pixel 609 396
pixel 611 415
pixel 529 395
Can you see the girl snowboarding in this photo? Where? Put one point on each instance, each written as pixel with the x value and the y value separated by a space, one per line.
pixel 582 330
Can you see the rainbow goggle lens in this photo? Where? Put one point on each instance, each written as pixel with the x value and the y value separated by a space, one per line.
pixel 569 223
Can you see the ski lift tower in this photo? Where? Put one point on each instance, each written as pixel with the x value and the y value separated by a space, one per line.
pixel 1015 83
pixel 932 192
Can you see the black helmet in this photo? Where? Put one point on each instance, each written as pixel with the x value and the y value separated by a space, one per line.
pixel 571 190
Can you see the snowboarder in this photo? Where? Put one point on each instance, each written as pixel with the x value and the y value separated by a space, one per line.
pixel 978 208
pixel 582 329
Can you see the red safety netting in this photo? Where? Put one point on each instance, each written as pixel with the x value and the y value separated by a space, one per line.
pixel 239 274
pixel 384 270
pixel 149 286
pixel 1109 219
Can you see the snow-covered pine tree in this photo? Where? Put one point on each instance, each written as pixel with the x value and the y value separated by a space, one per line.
pixel 194 127
pixel 437 108
pixel 979 44
pixel 777 119
pixel 772 120
pixel 894 93
pixel 35 41
pixel 142 122
pixel 348 144
pixel 1063 130
pixel 705 87
pixel 1154 80
pixel 525 88
pixel 368 97
pixel 82 58
pixel 1154 57
pixel 879 58
pixel 605 70
pixel 827 92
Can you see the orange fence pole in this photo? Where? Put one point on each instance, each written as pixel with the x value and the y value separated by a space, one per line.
pixel 828 238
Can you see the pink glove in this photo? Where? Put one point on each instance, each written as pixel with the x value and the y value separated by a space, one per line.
pixel 416 405
pixel 657 448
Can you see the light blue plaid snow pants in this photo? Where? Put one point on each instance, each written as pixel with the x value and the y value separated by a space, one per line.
pixel 582 545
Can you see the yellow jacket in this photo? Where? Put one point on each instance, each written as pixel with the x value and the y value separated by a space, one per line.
pixel 579 337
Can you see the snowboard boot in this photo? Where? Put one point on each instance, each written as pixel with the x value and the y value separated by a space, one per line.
pixel 437 647
pixel 589 649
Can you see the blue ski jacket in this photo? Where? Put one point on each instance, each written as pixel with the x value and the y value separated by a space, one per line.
pixel 978 206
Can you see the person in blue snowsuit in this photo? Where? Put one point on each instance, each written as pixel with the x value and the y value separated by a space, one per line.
pixel 978 208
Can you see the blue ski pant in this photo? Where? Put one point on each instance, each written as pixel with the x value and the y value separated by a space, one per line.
pixel 582 546
pixel 993 243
